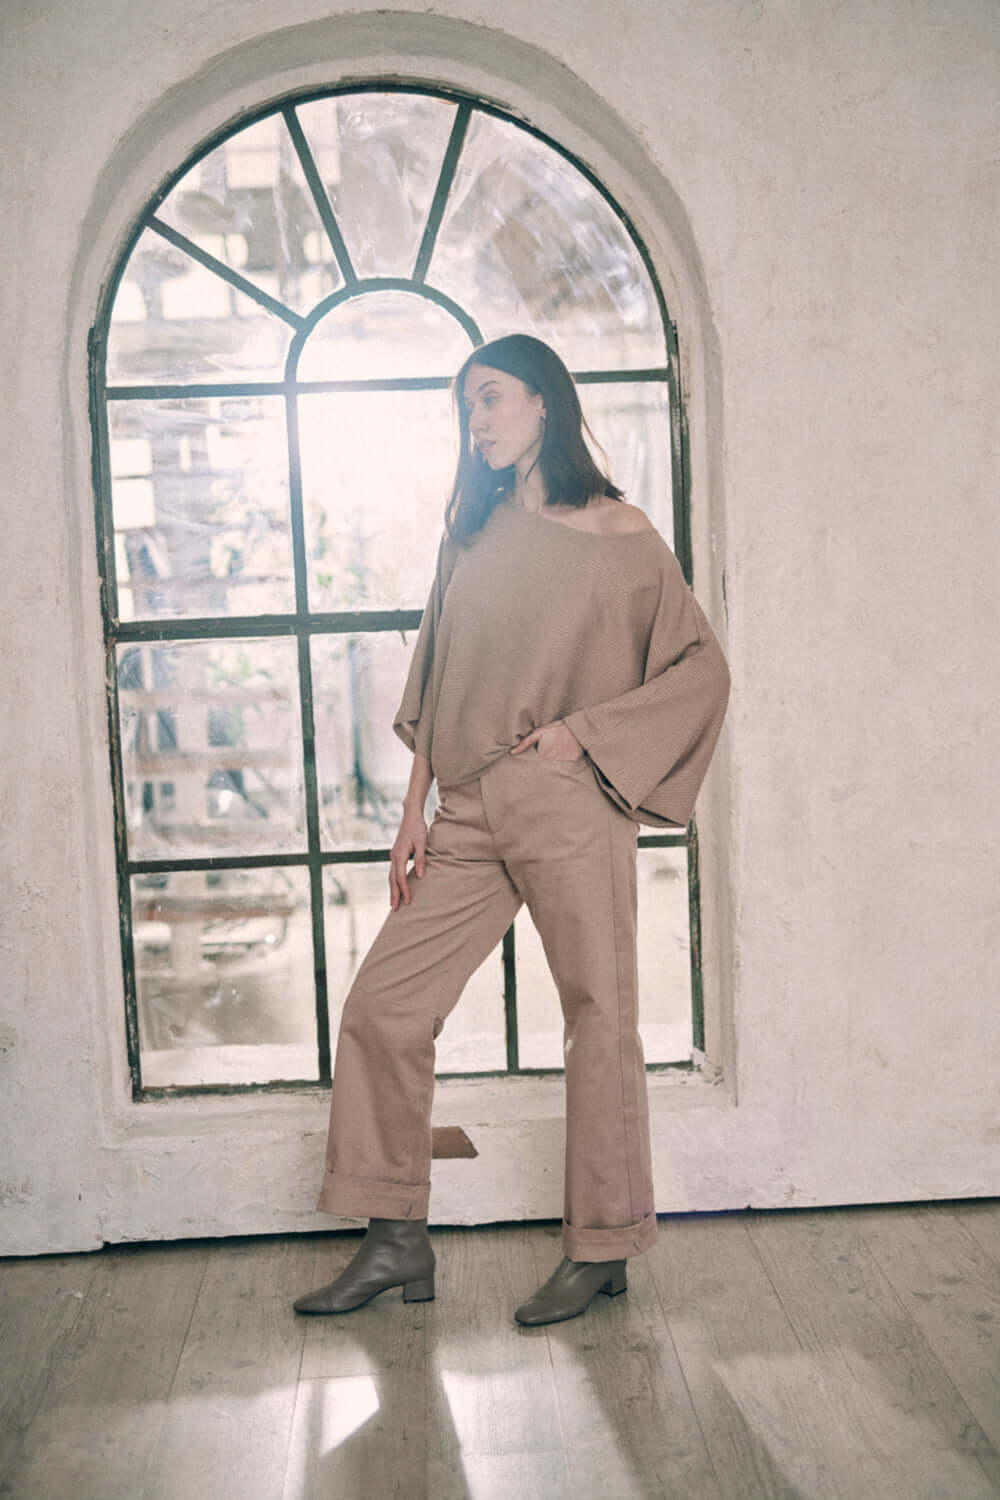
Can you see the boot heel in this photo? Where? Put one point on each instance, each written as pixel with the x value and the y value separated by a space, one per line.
pixel 419 1291
pixel 617 1283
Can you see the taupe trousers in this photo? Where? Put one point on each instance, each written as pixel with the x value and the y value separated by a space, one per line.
pixel 534 830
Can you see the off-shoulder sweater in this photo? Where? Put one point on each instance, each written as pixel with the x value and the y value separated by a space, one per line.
pixel 535 620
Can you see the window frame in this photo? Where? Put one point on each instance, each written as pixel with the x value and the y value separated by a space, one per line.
pixel 302 625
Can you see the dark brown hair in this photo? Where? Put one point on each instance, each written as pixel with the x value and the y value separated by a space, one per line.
pixel 571 476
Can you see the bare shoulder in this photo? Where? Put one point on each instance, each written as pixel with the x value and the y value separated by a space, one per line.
pixel 616 517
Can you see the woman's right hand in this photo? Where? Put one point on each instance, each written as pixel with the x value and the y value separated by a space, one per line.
pixel 411 839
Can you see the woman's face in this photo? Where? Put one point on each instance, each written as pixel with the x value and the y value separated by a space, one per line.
pixel 505 417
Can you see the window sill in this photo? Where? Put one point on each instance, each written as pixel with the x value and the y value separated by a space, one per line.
pixel 511 1100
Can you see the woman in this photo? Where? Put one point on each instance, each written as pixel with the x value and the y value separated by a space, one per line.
pixel 565 686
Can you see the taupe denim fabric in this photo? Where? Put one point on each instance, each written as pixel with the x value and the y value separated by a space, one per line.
pixel 533 830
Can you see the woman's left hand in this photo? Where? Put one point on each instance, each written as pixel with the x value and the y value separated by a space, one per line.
pixel 554 742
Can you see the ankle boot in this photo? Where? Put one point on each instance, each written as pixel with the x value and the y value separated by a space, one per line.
pixel 394 1252
pixel 570 1290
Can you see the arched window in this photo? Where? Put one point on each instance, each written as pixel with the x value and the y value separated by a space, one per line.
pixel 274 446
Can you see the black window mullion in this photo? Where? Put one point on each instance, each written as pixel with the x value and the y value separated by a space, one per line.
pixel 318 903
pixel 310 779
pixel 443 188
pixel 219 268
pixel 170 392
pixel 296 518
pixel 222 627
pixel 678 455
pixel 510 1002
pixel 104 518
pixel 694 911
pixel 682 546
pixel 321 197
pixel 621 377
pixel 125 923
pixel 212 862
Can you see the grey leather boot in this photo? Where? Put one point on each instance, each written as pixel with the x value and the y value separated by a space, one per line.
pixel 394 1252
pixel 570 1290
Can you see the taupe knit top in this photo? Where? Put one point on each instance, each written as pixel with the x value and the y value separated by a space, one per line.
pixel 534 621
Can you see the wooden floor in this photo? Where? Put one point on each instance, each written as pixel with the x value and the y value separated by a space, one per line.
pixel 837 1353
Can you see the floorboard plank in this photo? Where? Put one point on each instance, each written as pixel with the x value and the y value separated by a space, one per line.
pixel 896 1424
pixel 628 1425
pixel 104 1405
pixel 228 1421
pixel 360 1416
pixel 982 1218
pixel 40 1302
pixel 493 1418
pixel 950 1287
pixel 763 1414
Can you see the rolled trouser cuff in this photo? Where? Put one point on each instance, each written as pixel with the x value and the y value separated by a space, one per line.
pixel 368 1198
pixel 609 1244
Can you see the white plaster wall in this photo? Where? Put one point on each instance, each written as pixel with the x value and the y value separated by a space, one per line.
pixel 820 189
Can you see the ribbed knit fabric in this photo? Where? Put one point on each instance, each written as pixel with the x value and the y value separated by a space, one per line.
pixel 535 621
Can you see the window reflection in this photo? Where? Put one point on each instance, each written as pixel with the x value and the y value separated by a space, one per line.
pixel 211 748
pixel 528 243
pixel 199 494
pixel 375 465
pixel 174 322
pixel 363 768
pixel 223 969
pixel 249 205
pixel 379 156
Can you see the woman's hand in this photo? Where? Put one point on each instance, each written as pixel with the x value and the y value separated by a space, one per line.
pixel 554 741
pixel 411 839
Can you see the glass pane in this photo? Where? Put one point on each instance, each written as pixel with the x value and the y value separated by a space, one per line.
pixel 211 748
pixel 664 955
pixel 664 971
pixel 377 468
pixel 384 335
pixel 632 424
pixel 527 243
pixel 175 322
pixel 224 976
pixel 363 766
pixel 248 203
pixel 200 497
pixel 380 157
pixel 539 1016
pixel 357 903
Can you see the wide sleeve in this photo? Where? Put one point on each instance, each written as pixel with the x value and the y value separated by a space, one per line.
pixel 414 717
pixel 651 746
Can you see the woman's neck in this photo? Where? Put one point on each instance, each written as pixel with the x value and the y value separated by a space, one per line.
pixel 530 491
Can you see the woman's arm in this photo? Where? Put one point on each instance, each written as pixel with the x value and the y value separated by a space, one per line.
pixel 412 722
pixel 412 835
pixel 651 746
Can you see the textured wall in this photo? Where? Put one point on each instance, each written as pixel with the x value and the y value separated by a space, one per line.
pixel 828 192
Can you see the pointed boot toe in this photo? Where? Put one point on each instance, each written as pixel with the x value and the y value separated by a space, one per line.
pixel 570 1290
